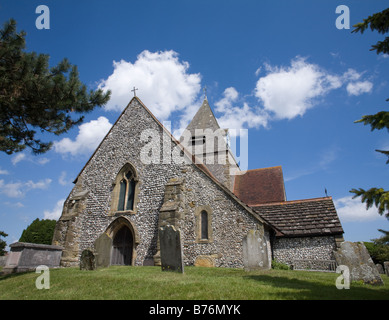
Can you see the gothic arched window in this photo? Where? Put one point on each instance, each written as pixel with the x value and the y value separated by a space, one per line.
pixel 124 190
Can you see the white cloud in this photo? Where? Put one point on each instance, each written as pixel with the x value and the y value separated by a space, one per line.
pixel 234 117
pixel 288 92
pixel 89 136
pixel 163 81
pixel 3 171
pixel 350 209
pixel 230 96
pixel 56 212
pixel 359 87
pixel 19 157
pixel 23 157
pixel 62 179
pixel 19 189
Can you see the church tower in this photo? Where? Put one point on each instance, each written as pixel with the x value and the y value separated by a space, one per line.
pixel 209 143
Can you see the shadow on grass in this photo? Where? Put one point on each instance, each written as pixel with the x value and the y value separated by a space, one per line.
pixel 4 276
pixel 297 289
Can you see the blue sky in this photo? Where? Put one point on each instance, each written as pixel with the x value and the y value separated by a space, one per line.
pixel 280 69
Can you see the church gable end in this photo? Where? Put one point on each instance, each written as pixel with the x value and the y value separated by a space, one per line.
pixel 131 175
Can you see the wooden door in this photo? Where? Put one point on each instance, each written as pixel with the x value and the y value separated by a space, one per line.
pixel 122 247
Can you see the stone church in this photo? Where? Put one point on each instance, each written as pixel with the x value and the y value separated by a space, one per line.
pixel 140 178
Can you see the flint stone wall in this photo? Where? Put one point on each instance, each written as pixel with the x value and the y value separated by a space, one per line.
pixel 86 213
pixel 287 250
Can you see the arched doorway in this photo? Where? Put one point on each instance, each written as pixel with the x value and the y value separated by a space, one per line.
pixel 122 247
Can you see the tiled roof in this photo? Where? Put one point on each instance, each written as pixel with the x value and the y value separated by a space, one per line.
pixel 260 186
pixel 311 217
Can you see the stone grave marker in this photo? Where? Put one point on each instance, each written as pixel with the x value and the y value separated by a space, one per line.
pixel 26 256
pixel 171 249
pixel 87 260
pixel 386 267
pixel 255 251
pixel 103 245
pixel 355 256
pixel 380 268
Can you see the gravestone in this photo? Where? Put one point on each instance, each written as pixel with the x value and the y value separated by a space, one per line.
pixel 103 245
pixel 255 251
pixel 380 268
pixel 26 256
pixel 355 256
pixel 386 267
pixel 171 249
pixel 87 260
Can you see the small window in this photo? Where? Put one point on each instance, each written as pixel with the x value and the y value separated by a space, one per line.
pixel 200 140
pixel 204 225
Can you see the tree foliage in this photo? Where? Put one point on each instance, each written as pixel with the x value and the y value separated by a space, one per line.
pixel 379 248
pixel 3 244
pixel 377 22
pixel 36 97
pixel 39 231
pixel 376 196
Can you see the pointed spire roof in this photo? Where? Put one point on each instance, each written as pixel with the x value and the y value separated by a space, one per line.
pixel 203 119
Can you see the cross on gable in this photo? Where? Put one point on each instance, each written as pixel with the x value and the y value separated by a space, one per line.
pixel 134 90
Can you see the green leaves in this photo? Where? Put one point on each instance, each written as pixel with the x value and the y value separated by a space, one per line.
pixel 34 96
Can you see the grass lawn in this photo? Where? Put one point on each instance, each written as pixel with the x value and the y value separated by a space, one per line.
pixel 150 283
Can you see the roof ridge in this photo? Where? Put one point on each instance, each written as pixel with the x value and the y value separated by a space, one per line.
pixel 257 169
pixel 292 201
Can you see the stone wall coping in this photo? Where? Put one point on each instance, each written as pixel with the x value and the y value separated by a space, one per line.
pixel 35 246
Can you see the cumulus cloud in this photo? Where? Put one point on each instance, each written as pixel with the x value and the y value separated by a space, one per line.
pixel 164 83
pixel 19 189
pixel 287 92
pixel 23 157
pixel 359 87
pixel 56 212
pixel 89 136
pixel 235 117
pixel 350 209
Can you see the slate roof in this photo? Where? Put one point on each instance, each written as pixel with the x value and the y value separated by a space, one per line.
pixel 310 217
pixel 260 186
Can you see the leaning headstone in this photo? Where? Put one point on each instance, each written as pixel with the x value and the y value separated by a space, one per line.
pixel 355 256
pixel 255 251
pixel 87 260
pixel 386 267
pixel 380 268
pixel 171 249
pixel 103 245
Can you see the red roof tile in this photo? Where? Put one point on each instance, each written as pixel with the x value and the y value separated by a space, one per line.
pixel 260 186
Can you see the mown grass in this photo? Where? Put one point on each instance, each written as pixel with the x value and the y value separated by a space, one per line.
pixel 150 283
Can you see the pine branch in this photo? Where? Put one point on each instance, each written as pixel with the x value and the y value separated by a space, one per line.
pixel 377 197
pixel 34 96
